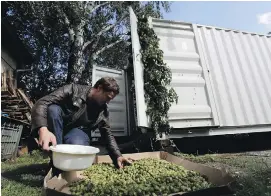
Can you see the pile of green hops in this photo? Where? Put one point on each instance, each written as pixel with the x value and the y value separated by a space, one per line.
pixel 144 177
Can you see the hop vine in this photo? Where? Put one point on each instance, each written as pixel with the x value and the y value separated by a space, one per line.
pixel 157 77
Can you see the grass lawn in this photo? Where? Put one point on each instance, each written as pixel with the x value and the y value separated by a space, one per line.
pixel 24 176
pixel 253 173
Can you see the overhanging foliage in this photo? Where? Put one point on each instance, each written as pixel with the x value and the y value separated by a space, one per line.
pixel 157 78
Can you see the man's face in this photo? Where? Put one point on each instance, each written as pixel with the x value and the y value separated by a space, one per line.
pixel 103 97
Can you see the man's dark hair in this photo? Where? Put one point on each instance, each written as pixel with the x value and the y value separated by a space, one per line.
pixel 108 84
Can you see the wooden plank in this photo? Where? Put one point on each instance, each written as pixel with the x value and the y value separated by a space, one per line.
pixel 4 81
pixel 18 118
pixel 7 96
pixel 25 98
pixel 28 116
pixel 15 109
pixel 10 83
pixel 7 110
pixel 15 113
pixel 15 120
pixel 12 101
pixel 10 106
pixel 22 109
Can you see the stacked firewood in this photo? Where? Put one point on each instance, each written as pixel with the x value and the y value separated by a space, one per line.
pixel 16 106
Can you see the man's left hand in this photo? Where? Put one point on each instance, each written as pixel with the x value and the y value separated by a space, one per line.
pixel 123 161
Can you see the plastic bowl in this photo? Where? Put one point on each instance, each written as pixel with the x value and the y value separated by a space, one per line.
pixel 69 157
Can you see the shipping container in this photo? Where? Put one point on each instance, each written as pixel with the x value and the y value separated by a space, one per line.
pixel 117 108
pixel 222 78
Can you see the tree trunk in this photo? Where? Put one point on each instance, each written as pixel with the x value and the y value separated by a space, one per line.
pixel 86 77
pixel 76 62
pixel 75 65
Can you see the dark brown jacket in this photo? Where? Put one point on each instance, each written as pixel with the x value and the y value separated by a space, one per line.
pixel 73 97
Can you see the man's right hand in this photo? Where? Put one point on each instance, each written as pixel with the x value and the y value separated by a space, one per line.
pixel 45 137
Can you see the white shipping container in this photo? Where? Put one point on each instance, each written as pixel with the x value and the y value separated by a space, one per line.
pixel 222 78
pixel 118 115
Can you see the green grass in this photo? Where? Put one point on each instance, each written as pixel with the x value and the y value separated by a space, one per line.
pixel 24 176
pixel 252 173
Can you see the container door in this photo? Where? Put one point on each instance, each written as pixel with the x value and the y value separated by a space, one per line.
pixel 196 105
pixel 117 107
pixel 141 107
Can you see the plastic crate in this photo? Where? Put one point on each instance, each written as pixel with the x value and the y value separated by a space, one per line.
pixel 10 138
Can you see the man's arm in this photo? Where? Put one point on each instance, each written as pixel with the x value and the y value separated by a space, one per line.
pixel 107 136
pixel 118 160
pixel 39 111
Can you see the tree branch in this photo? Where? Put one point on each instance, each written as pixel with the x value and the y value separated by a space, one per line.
pixel 109 27
pixel 100 5
pixel 86 45
pixel 101 32
pixel 71 31
pixel 86 5
pixel 90 6
pixel 107 47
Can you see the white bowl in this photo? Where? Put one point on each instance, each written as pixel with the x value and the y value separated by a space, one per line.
pixel 68 157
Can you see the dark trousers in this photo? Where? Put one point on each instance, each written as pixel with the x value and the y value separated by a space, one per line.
pixel 76 136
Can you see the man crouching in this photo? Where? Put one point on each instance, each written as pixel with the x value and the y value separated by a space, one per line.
pixel 69 114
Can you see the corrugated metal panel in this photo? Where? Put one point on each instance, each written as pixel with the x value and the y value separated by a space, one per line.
pixel 117 107
pixel 189 78
pixel 240 70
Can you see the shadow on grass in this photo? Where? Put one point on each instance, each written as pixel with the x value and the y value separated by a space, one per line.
pixel 30 175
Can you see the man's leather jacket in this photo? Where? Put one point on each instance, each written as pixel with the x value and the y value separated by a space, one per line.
pixel 73 98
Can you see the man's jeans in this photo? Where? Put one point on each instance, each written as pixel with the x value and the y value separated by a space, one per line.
pixel 56 125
